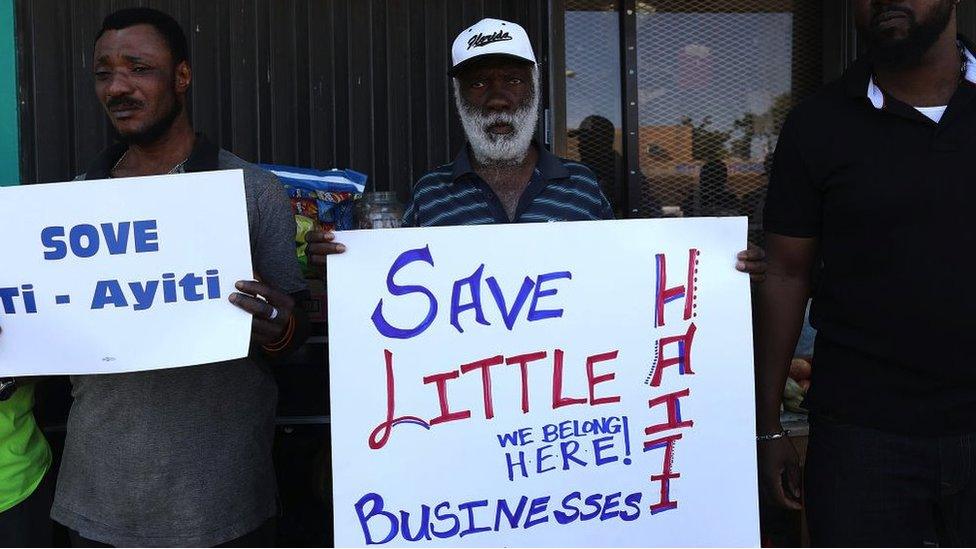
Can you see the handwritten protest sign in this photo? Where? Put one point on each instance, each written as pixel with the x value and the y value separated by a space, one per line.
pixel 122 275
pixel 560 384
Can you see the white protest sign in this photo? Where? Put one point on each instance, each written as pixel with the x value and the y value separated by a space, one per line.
pixel 557 384
pixel 123 275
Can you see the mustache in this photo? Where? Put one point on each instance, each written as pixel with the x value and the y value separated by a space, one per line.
pixel 513 120
pixel 123 101
pixel 883 8
pixel 488 118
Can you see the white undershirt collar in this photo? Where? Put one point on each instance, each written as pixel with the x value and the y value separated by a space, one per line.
pixel 876 96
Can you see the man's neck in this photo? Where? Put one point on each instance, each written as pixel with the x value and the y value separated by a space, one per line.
pixel 509 181
pixel 161 155
pixel 931 82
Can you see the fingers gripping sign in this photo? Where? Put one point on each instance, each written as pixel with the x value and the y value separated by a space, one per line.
pixel 752 261
pixel 270 308
pixel 320 245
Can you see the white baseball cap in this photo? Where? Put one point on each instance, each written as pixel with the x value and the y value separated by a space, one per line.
pixel 491 37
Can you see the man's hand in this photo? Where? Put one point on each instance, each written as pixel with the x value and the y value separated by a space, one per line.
pixel 779 473
pixel 752 261
pixel 271 315
pixel 320 245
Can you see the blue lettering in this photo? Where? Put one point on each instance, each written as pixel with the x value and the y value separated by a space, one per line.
pixel 29 305
pixel 569 449
pixel 108 292
pixel 610 503
pixel 512 464
pixel 474 284
pixel 384 327
pixel 632 501
pixel 612 424
pixel 540 293
pixel 169 288
pixel 423 531
pixel 539 458
pixel 56 249
pixel 513 518
pixel 7 296
pixel 592 501
pixel 508 439
pixel 469 507
pixel 510 315
pixel 437 514
pixel 376 509
pixel 90 234
pixel 189 284
pixel 599 446
pixel 563 518
pixel 538 506
pixel 145 236
pixel 550 432
pixel 116 242
pixel 85 239
pixel 143 294
pixel 213 284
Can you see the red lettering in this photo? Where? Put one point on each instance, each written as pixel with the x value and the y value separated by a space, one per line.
pixel 674 412
pixel 523 362
pixel 682 359
pixel 558 401
pixel 383 430
pixel 664 503
pixel 441 381
pixel 594 380
pixel 485 367
pixel 665 295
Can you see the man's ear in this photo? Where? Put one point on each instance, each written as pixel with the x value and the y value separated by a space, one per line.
pixel 183 77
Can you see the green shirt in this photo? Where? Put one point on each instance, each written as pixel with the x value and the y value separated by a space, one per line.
pixel 24 453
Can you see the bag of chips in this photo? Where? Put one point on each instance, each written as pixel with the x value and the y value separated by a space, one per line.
pixel 320 200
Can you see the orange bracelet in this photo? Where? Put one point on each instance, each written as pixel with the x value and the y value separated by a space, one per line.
pixel 284 340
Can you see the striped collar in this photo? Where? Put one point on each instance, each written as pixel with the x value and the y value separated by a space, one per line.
pixel 877 98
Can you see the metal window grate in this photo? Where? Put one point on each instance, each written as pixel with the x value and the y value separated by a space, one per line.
pixel 593 91
pixel 716 79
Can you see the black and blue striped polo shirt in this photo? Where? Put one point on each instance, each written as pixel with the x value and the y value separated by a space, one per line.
pixel 453 194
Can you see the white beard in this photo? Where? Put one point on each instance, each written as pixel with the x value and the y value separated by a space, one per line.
pixel 491 149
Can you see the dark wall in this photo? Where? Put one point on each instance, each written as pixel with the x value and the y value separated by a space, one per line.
pixel 322 83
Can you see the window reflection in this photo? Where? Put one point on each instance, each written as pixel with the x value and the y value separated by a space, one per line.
pixel 715 81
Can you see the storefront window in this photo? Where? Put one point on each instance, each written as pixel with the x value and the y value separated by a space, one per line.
pixel 591 129
pixel 714 81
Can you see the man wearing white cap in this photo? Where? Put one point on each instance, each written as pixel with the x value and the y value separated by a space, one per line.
pixel 501 175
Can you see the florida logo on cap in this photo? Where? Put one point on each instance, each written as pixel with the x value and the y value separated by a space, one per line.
pixel 493 37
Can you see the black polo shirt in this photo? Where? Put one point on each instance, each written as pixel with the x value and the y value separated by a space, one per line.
pixel 890 195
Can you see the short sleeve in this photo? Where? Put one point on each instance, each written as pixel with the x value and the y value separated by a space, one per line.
pixel 793 200
pixel 274 258
pixel 583 180
pixel 410 214
pixel 606 210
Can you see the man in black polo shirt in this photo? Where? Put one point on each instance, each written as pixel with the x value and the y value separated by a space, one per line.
pixel 874 177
